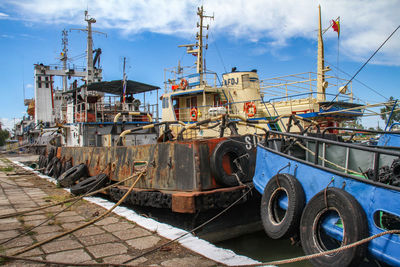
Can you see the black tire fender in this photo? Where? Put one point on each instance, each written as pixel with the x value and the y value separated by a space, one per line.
pixel 57 169
pixel 279 223
pixel 42 161
pixel 66 166
pixel 90 184
pixel 238 156
pixel 354 224
pixel 50 155
pixel 50 167
pixel 72 175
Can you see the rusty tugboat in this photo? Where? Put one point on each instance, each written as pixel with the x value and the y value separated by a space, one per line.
pixel 100 133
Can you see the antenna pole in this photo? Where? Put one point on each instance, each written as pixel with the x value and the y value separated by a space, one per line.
pixel 64 57
pixel 200 45
pixel 89 68
pixel 124 83
pixel 320 62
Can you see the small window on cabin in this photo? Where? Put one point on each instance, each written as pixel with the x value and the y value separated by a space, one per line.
pixel 47 85
pixel 39 85
pixel 193 101
pixel 165 102
pixel 217 101
pixel 246 80
pixel 46 78
pixel 39 78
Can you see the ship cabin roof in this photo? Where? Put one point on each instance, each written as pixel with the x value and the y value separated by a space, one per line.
pixel 116 87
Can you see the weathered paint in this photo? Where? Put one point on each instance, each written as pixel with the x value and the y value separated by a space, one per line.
pixel 183 166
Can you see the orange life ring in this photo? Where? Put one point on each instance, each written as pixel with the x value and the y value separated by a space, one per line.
pixel 184 84
pixel 193 114
pixel 250 109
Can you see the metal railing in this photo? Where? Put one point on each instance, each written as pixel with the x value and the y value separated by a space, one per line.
pixel 298 84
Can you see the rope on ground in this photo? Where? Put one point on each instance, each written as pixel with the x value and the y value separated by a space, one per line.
pixel 83 225
pixel 48 219
pixel 193 230
pixel 65 201
pixel 312 256
pixel 60 263
pixel 6 151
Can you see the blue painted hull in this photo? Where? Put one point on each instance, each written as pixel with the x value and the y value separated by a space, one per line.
pixel 314 179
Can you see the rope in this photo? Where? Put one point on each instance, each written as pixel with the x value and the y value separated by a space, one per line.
pixel 6 151
pixel 194 229
pixel 316 255
pixel 65 201
pixel 83 225
pixel 50 218
pixel 376 51
pixel 61 263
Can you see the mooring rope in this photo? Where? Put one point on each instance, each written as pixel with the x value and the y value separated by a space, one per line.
pixel 316 255
pixel 83 225
pixel 193 230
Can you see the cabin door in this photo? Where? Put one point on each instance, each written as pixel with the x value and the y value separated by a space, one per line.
pixel 175 104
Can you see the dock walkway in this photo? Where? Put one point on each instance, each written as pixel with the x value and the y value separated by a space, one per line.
pixel 111 240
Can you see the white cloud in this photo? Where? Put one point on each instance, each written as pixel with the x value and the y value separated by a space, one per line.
pixel 7 123
pixel 3 15
pixel 364 24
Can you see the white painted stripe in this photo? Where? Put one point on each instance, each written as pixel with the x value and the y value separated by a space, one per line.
pixel 200 246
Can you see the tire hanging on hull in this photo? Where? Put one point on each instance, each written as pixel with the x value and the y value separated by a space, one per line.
pixel 234 154
pixel 277 221
pixel 351 218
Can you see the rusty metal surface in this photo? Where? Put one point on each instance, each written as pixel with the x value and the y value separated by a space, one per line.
pixel 183 165
pixel 184 202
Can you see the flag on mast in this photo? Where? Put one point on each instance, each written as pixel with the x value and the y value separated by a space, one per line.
pixel 336 25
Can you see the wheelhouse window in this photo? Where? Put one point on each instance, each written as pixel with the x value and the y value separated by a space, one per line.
pixel 246 80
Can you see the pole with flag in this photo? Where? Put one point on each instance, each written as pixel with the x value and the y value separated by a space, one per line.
pixel 336 28
pixel 124 84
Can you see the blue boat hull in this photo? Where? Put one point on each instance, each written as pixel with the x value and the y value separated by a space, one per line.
pixel 314 179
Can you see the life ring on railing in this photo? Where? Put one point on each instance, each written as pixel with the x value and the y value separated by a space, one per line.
pixel 184 84
pixel 250 109
pixel 193 114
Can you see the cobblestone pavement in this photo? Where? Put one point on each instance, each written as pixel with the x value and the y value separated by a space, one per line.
pixel 111 240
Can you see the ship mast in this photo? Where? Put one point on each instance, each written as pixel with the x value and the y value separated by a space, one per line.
pixel 89 67
pixel 198 51
pixel 321 83
pixel 64 57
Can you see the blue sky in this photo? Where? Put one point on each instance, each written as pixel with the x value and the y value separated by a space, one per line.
pixel 275 37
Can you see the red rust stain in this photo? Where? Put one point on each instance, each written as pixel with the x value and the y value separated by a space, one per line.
pixel 183 203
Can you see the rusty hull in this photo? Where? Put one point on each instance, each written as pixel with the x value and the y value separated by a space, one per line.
pixel 180 169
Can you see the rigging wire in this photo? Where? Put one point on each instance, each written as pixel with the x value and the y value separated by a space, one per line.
pixel 218 52
pixel 368 87
pixel 376 51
